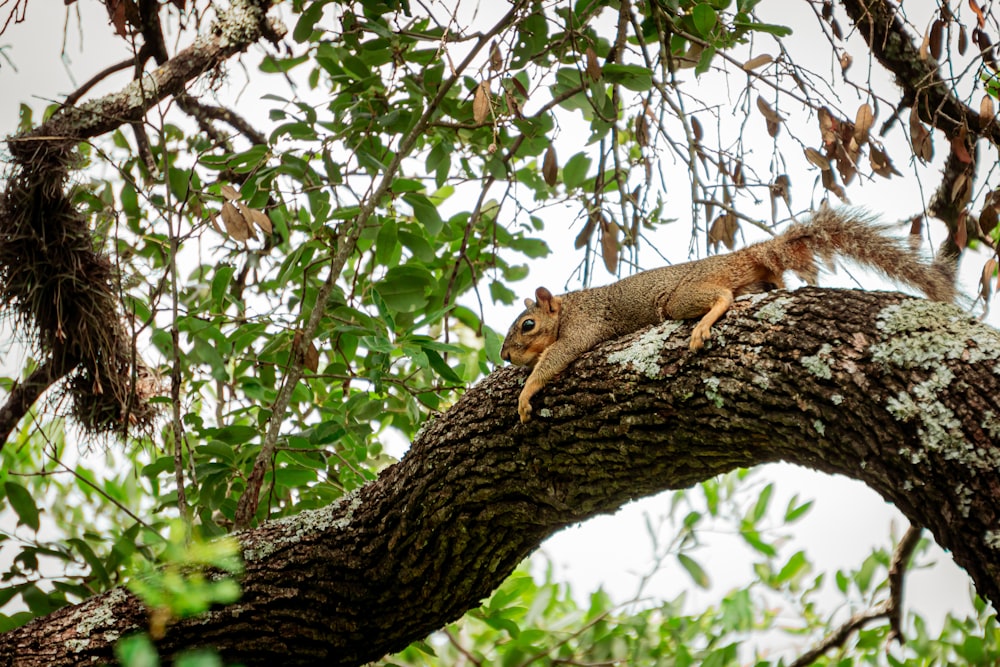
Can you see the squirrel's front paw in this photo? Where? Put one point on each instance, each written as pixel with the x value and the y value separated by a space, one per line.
pixel 699 336
pixel 524 408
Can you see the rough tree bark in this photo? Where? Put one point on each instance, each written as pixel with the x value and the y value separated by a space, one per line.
pixel 897 392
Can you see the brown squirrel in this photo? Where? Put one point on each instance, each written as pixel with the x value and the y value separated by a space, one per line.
pixel 555 330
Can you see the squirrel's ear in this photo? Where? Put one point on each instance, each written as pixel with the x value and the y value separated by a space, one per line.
pixel 528 303
pixel 547 301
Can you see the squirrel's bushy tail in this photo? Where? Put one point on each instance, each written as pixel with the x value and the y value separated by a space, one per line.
pixel 856 235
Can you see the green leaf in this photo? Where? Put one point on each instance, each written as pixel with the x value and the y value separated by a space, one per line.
pixel 760 507
pixel 575 171
pixel 23 504
pixel 425 212
pixel 633 77
pixel 307 21
pixel 796 566
pixel 137 650
pixel 95 563
pixel 404 288
pixel 220 283
pixel 441 367
pixel 769 28
pixel 698 575
pixel 704 18
pixel 794 513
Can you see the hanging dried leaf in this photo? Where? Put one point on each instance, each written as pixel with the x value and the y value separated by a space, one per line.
pixel 828 127
pixel 827 10
pixel 758 61
pixel 847 160
pixel 961 231
pixel 863 121
pixel 961 189
pixel 959 147
pixel 512 104
pixel 917 227
pixel 817 159
pixel 593 66
pixel 496 58
pixel 260 219
pixel 609 245
pixel 773 119
pixel 520 87
pixel 247 217
pixel 837 32
pixel 963 40
pixel 641 130
pixel 235 223
pixel 974 6
pixel 738 179
pixel 583 238
pixel 845 62
pixel 936 38
pixel 214 219
pixel 696 129
pixel 310 358
pixel 229 192
pixel 723 230
pixel 779 190
pixel 830 183
pixel 550 170
pixel 881 164
pixel 982 40
pixel 987 112
pixel 481 103
pixel 986 280
pixel 988 219
pixel 766 110
pixel 920 139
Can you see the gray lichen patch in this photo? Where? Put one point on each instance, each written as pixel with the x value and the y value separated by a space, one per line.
pixel 992 539
pixel 921 334
pixel 712 386
pixel 774 312
pixel 821 363
pixel 92 618
pixel 644 353
pixel 939 429
pixel 337 516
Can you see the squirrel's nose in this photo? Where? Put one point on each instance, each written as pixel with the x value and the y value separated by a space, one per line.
pixel 505 354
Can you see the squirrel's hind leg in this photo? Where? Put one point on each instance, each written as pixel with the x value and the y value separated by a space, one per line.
pixel 710 302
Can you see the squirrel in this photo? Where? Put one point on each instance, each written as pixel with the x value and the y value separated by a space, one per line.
pixel 555 330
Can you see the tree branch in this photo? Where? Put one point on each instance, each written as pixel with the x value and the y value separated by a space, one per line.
pixel 24 395
pixel 899 393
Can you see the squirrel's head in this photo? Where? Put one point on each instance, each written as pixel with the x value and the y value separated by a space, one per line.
pixel 533 330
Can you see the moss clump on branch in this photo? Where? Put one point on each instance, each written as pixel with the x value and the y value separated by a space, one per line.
pixel 58 290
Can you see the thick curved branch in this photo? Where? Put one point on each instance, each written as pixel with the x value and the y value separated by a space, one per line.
pixel 24 395
pixel 892 45
pixel 900 393
pixel 244 24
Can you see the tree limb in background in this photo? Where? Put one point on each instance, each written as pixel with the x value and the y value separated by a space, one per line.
pixel 58 288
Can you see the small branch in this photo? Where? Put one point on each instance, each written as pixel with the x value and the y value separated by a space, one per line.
pixel 75 96
pixel 890 609
pixel 205 112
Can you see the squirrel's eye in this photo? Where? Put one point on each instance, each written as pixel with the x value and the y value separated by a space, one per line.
pixel 527 325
